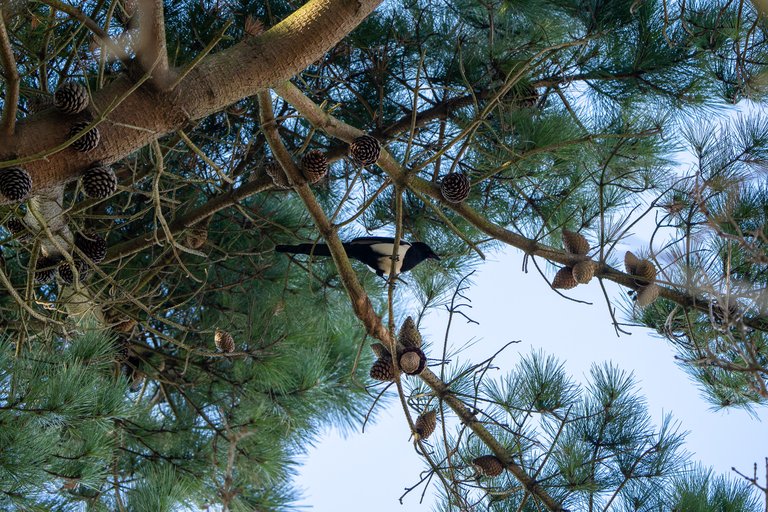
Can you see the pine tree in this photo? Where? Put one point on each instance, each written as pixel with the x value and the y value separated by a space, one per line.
pixel 560 116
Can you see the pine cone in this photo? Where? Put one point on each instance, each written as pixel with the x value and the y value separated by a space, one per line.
pixel 455 187
pixel 412 361
pixel 647 294
pixel 380 350
pixel 564 279
pixel 409 336
pixel 630 263
pixel 15 183
pixel 383 370
pixel 584 271
pixel 725 315
pixel 18 229
pixel 527 97
pixel 45 269
pixel 425 424
pixel 67 275
pixel 365 150
pixel 99 182
pixel 275 171
pixel 314 165
pixel 70 98
pixel 224 341
pixel 575 243
pixel 122 349
pixel 646 273
pixel 92 246
pixel 488 465
pixel 196 237
pixel 87 142
pixel 38 103
pixel 125 326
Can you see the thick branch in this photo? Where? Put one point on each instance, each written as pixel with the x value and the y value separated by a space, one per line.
pixel 219 80
pixel 151 49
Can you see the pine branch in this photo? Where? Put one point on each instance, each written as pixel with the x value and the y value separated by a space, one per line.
pixel 336 128
pixel 362 304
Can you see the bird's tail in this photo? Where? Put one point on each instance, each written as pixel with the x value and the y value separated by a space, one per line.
pixel 313 249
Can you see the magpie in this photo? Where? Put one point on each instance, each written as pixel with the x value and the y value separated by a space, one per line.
pixel 374 251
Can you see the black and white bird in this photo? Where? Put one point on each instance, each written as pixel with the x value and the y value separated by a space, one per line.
pixel 374 251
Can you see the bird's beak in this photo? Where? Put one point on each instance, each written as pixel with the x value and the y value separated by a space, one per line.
pixel 434 256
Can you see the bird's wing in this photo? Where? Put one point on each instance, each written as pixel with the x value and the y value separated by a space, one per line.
pixel 376 240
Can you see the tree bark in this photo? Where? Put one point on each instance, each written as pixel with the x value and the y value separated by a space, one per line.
pixel 146 114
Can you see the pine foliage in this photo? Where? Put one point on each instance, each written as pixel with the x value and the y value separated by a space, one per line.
pixel 561 114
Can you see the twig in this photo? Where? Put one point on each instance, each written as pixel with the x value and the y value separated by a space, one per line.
pixel 199 152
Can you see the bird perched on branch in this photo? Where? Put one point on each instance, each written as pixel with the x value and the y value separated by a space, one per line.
pixel 374 251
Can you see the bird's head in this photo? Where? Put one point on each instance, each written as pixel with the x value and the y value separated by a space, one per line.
pixel 425 250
